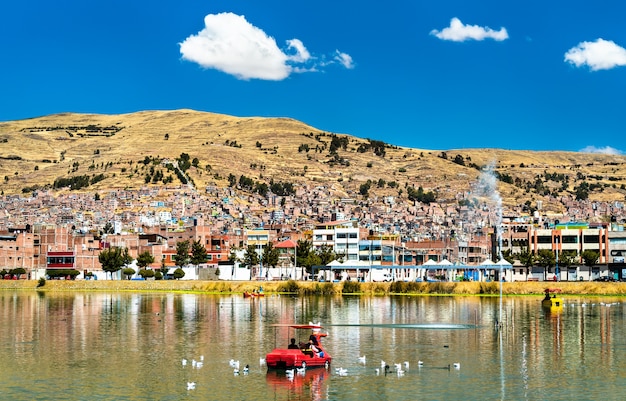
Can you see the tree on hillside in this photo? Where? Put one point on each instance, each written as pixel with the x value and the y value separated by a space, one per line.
pixel 232 256
pixel 251 257
pixel 590 258
pixel 107 229
pixel 113 259
pixel 507 254
pixel 182 253
pixel 198 253
pixel 566 259
pixel 306 256
pixel 326 254
pixel 128 272
pixel 270 255
pixel 546 258
pixel 179 273
pixel 527 259
pixel 144 259
pixel 303 249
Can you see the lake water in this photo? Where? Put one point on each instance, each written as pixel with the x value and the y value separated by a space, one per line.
pixel 130 346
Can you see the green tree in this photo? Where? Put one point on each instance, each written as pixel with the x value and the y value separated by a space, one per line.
pixel 546 258
pixel 303 249
pixel 146 273
pixel 270 255
pixel 113 259
pixel 163 267
pixel 108 228
pixel 306 256
pixel 250 257
pixel 179 273
pixel 566 259
pixel 198 253
pixel 507 254
pixel 129 271
pixel 326 254
pixel 144 259
pixel 182 253
pixel 527 258
pixel 232 256
pixel 590 258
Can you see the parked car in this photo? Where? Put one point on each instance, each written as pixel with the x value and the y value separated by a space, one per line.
pixel 605 279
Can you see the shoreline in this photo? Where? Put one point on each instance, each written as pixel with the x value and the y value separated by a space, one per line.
pixel 317 288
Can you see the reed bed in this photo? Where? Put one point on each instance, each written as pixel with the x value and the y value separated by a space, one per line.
pixel 316 288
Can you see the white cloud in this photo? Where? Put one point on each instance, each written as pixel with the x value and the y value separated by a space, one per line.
pixel 229 43
pixel 344 59
pixel 607 150
pixel 302 54
pixel 458 32
pixel 599 55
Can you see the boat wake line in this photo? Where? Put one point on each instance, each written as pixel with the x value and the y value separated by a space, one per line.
pixel 428 326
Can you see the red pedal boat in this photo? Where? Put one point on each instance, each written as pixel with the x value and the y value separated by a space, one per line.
pixel 306 354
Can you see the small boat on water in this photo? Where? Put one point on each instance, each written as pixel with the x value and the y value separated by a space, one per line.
pixel 249 294
pixel 551 301
pixel 308 354
pixel 254 293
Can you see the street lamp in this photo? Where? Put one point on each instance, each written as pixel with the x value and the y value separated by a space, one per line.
pixel 556 269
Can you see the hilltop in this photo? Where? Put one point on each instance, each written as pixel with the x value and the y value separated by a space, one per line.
pixel 130 151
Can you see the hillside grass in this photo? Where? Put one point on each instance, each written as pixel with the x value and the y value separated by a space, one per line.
pixel 37 151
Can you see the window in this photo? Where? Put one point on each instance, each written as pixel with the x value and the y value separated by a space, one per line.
pixel 569 239
pixel 353 235
pixel 544 239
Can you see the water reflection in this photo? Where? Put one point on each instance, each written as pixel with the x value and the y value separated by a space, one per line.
pixel 310 385
pixel 130 346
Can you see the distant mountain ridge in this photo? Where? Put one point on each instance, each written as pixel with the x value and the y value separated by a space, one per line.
pixel 150 148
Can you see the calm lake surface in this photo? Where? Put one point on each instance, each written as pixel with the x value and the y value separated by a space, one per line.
pixel 130 346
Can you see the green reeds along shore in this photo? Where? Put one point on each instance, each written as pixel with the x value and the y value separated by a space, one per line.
pixel 317 288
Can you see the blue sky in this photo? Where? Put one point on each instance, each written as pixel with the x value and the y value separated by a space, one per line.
pixel 425 74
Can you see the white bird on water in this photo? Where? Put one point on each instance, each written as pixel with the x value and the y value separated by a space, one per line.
pixel 261 361
pixel 341 371
pixel 234 364
pixel 362 359
pixel 406 364
pixel 457 365
pixel 191 385
pixel 420 363
pixel 184 362
pixel 246 369
pixel 383 364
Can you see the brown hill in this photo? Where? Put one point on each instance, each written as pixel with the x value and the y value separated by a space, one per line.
pixel 126 151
